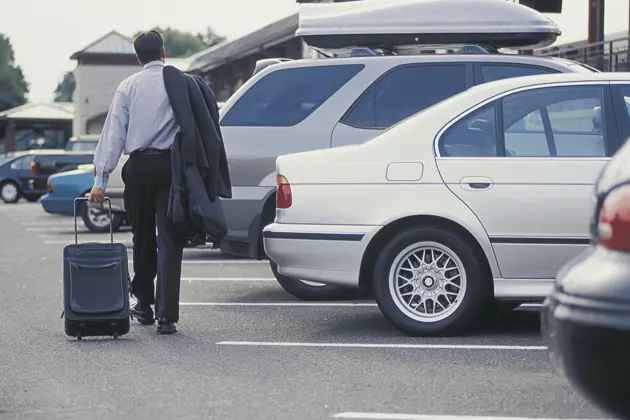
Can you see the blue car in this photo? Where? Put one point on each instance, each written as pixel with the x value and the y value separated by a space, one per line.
pixel 64 187
pixel 24 174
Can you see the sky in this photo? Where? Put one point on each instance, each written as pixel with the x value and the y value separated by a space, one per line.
pixel 45 33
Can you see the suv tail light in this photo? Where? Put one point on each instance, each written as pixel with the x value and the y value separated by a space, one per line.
pixel 613 227
pixel 49 187
pixel 284 199
pixel 33 167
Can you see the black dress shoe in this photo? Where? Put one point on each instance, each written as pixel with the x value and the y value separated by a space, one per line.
pixel 166 327
pixel 143 313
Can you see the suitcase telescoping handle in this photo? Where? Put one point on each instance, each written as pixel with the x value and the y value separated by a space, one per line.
pixel 76 232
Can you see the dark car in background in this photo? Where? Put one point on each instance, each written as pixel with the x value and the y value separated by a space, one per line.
pixel 25 174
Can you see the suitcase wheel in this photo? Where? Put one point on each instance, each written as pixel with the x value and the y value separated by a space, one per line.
pixel 79 337
pixel 115 335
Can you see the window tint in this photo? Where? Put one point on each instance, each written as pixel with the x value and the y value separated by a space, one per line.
pixel 531 130
pixel 404 92
pixel 558 121
pixel 473 136
pixel 22 163
pixel 492 72
pixel 286 97
pixel 573 116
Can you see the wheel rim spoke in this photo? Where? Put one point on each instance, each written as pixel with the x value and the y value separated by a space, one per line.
pixel 428 281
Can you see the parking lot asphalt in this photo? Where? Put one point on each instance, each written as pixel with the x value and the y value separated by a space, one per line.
pixel 247 350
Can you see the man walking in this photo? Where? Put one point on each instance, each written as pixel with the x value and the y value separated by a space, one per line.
pixel 141 123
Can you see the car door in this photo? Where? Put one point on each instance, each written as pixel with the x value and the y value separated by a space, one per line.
pixel 398 94
pixel 21 169
pixel 526 165
pixel 46 165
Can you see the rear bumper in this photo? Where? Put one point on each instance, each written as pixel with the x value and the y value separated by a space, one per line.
pixel 57 205
pixel 243 213
pixel 65 205
pixel 321 253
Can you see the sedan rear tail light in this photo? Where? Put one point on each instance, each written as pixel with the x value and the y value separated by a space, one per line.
pixel 49 187
pixel 613 227
pixel 33 167
pixel 284 199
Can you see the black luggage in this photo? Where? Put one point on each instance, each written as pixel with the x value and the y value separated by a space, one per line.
pixel 95 286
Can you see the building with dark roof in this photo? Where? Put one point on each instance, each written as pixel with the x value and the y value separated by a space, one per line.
pixel 228 65
pixel 101 67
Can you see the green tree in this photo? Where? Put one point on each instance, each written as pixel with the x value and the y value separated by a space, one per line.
pixel 210 38
pixel 65 88
pixel 180 44
pixel 13 86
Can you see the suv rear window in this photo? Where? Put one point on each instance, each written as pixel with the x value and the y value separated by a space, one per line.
pixel 287 97
pixel 492 72
pixel 405 91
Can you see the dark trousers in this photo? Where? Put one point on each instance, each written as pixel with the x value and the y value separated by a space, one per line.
pixel 147 181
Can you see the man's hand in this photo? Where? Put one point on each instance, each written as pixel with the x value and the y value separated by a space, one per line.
pixel 97 195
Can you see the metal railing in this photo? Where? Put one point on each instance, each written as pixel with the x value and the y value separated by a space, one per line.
pixel 609 56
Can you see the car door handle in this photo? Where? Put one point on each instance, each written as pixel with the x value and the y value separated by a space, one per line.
pixel 476 183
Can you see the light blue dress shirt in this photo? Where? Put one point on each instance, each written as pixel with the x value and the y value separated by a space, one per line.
pixel 140 117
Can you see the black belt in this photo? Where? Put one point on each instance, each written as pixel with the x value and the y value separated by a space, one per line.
pixel 150 152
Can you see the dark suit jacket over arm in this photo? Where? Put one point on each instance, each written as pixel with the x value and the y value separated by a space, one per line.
pixel 200 170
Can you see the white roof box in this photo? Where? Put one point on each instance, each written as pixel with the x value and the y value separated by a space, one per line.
pixel 392 23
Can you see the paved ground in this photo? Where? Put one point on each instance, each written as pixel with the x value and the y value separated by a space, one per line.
pixel 247 350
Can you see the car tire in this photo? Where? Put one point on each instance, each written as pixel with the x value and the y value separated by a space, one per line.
pixel 411 306
pixel 10 192
pixel 309 291
pixel 99 223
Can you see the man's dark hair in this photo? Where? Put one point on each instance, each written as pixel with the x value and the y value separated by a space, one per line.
pixel 148 46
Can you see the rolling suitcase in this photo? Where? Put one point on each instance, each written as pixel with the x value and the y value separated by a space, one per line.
pixel 96 286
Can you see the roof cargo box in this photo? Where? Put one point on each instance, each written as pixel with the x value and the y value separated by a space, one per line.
pixel 393 23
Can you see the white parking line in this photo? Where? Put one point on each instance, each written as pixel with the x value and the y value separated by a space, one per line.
pixel 20 207
pixel 189 262
pixel 279 304
pixel 385 416
pixel 62 229
pixel 384 346
pixel 236 279
pixel 82 240
pixel 48 223
pixel 220 262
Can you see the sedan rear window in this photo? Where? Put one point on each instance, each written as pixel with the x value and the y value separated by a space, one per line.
pixel 287 97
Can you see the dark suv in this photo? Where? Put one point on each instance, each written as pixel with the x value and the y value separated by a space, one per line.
pixel 25 174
